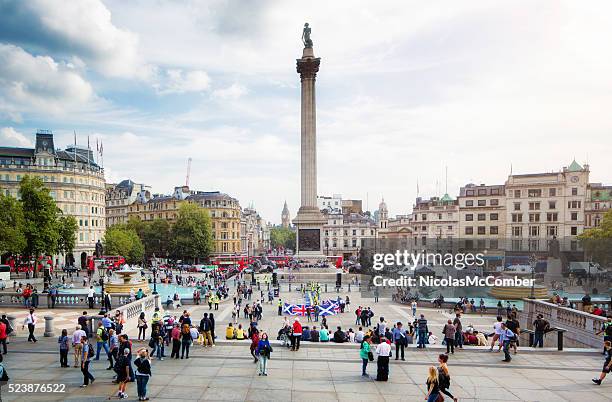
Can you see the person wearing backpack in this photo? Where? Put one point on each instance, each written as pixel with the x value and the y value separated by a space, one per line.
pixel 122 368
pixel 85 361
pixel 263 351
pixel 101 340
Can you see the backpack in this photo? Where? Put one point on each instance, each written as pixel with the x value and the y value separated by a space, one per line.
pixel 443 379
pixel 104 335
pixel 4 377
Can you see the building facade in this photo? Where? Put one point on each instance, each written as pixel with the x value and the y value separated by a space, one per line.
pixel 482 214
pixel 285 216
pixel 434 218
pixel 225 214
pixel 76 183
pixel 599 201
pixel 120 196
pixel 255 233
pixel 543 206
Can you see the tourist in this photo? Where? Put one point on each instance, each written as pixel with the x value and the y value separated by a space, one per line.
pixel 497 328
pixel 449 332
pixel 168 302
pixel 358 315
pixel 422 331
pixel 126 344
pixel 211 317
pixel 433 387
pixel 186 341
pixel 143 373
pixel 399 338
pixel 296 335
pixel 444 376
pixel 607 363
pixel 324 334
pixel 77 345
pixel 90 296
pixel 305 333
pixel 414 308
pixel 82 321
pixel 204 328
pixel 513 325
pixel 140 294
pixel 113 342
pixel 142 326
pixel 383 350
pixel 240 333
pixel 229 332
pixel 156 318
pixel 176 340
pixel 4 330
pixel 64 343
pixel 85 361
pixel 30 320
pixel 459 331
pixel 339 336
pixel 505 338
pixel 254 343
pixel 107 301
pixel 351 335
pixel 101 340
pixel 606 329
pixel 156 343
pixel 132 295
pixel 314 335
pixel 122 368
pixel 366 354
pixel 263 351
pixel 359 335
pixel 432 339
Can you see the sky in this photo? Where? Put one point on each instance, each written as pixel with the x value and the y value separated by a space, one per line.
pixel 405 90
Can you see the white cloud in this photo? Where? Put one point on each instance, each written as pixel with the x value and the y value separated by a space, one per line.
pixel 39 82
pixel 12 138
pixel 177 81
pixel 232 92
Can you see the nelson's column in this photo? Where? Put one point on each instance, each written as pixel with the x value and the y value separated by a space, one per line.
pixel 309 220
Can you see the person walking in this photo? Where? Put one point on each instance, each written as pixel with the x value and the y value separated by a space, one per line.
pixel 113 342
pixel 123 373
pixel 399 337
pixel 607 363
pixel 85 361
pixel 497 328
pixel 449 331
pixel 540 326
pixel 143 373
pixel 254 344
pixel 263 351
pixel 31 320
pixel 458 331
pixel 414 308
pixel 505 338
pixel 433 387
pixel 64 345
pixel 77 345
pixel 365 352
pixel 142 326
pixel 101 340
pixel 444 376
pixel 90 297
pixel 383 350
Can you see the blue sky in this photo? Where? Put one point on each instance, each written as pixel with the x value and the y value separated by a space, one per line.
pixel 405 88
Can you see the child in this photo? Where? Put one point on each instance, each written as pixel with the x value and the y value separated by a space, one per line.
pixel 607 363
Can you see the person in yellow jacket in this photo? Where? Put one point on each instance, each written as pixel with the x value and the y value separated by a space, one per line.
pixel 156 316
pixel 230 333
pixel 240 333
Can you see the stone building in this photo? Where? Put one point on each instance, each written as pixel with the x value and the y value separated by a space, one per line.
pixel 76 183
pixel 285 216
pixel 255 233
pixel 434 219
pixel 120 196
pixel 343 233
pixel 599 201
pixel 482 214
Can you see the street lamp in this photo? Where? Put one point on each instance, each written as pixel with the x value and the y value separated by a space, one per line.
pixel 532 261
pixel 101 272
pixel 154 280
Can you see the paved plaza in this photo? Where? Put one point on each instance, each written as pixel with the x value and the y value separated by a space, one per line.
pixel 317 371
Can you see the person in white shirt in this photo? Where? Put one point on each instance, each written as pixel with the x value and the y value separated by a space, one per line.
pixel 432 339
pixel 497 327
pixel 77 345
pixel 30 321
pixel 383 350
pixel 359 335
pixel 414 307
pixel 90 296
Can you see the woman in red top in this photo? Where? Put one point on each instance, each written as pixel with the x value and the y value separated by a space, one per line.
pixel 297 335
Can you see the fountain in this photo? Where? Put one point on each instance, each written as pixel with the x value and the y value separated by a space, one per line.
pixel 127 283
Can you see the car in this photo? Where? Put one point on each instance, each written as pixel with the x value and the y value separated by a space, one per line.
pixel 70 268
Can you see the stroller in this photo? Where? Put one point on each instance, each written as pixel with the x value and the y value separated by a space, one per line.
pixel 283 336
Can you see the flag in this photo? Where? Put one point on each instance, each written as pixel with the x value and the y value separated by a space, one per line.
pixel 329 308
pixel 101 148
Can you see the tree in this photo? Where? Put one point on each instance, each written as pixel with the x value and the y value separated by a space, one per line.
pixel 12 238
pixel 156 235
pixel 597 242
pixel 67 227
pixel 191 235
pixel 282 237
pixel 119 240
pixel 40 218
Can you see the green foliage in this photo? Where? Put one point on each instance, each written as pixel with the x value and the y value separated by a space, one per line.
pixel 281 236
pixel 120 240
pixel 597 242
pixel 191 235
pixel 67 227
pixel 40 217
pixel 156 237
pixel 12 238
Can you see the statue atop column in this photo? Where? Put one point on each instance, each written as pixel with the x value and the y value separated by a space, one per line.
pixel 306 36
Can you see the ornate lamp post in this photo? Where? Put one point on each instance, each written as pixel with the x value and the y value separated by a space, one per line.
pixel 532 262
pixel 102 273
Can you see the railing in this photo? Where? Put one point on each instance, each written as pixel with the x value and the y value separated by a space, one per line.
pixel 580 327
pixel 61 300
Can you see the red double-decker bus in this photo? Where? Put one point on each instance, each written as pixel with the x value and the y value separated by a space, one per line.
pixel 281 261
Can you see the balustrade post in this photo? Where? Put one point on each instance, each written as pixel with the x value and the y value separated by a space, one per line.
pixel 49 326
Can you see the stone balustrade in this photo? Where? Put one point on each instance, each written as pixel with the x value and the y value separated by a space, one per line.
pixel 581 326
pixel 65 300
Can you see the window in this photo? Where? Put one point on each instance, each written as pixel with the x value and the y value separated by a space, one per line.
pixel 517 193
pixel 469 230
pixel 517 206
pixel 482 203
pixel 534 217
pixel 469 203
pixel 552 204
pixel 482 230
pixel 482 217
pixel 345 243
pixel 573 204
pixel 493 230
pixel 534 244
pixel 517 244
pixel 494 217
pixel 517 217
pixel 517 231
pixel 551 231
pixel 469 193
pixel 551 217
pixel 440 216
pixel 534 193
pixel 450 227
pixel 469 217
pixel 482 191
pixel 354 242
pixel 423 217
pixel 493 243
pixel 574 190
pixel 574 216
pixel 534 206
pixel 494 202
pixel 494 191
pixel 574 230
pixel 534 231
pixel 552 192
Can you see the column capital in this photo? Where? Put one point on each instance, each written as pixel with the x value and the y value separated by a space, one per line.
pixel 308 67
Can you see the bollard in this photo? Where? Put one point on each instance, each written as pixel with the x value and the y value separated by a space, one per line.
pixel 49 326
pixel 290 287
pixel 11 319
pixel 531 338
pixel 326 288
pixel 560 340
pixel 258 285
pixel 349 287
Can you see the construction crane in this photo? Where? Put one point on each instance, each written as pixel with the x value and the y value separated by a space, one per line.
pixel 188 172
